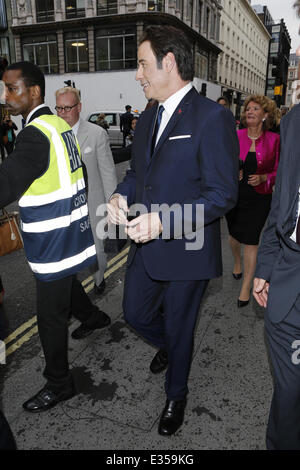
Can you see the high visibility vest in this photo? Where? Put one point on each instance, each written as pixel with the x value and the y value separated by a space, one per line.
pixel 56 230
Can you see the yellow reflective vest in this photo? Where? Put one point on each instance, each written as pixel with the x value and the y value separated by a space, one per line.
pixel 56 230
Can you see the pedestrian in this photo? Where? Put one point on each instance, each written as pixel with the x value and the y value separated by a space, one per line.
pixel 101 121
pixel 130 136
pixel 259 156
pixel 44 172
pixel 125 123
pixel 101 172
pixel 277 287
pixel 9 137
pixel 185 151
pixel 223 101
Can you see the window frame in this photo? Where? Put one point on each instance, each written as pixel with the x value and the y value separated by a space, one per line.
pixel 47 42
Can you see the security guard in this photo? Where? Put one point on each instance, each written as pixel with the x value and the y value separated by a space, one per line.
pixel 45 173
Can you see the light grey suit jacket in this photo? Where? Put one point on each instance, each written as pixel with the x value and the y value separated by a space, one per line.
pixel 102 178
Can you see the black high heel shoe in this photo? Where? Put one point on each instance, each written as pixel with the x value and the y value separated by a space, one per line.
pixel 237 276
pixel 242 303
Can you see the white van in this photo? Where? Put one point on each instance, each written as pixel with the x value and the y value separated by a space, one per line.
pixel 113 119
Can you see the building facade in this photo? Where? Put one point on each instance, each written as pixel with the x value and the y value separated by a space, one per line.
pixel 7 49
pixel 292 78
pixel 68 39
pixel 278 57
pixel 244 41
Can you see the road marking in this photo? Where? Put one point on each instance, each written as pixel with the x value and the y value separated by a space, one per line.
pixel 88 288
pixel 109 263
pixel 20 330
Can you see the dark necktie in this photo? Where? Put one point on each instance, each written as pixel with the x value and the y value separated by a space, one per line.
pixel 298 232
pixel 157 124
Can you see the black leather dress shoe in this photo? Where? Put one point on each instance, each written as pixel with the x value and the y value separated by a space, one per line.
pixel 83 330
pixel 98 290
pixel 242 303
pixel 237 276
pixel 159 362
pixel 46 399
pixel 172 417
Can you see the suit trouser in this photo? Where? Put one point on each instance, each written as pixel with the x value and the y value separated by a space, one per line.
pixel 7 441
pixel 102 261
pixel 174 329
pixel 55 301
pixel 283 431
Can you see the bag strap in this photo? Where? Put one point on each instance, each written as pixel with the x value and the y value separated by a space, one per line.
pixel 6 214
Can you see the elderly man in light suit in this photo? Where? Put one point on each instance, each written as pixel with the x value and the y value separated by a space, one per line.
pixel 102 179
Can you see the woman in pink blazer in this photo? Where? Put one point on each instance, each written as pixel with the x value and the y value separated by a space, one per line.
pixel 259 156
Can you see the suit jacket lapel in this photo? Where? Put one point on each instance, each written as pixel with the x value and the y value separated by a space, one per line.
pixel 81 134
pixel 175 118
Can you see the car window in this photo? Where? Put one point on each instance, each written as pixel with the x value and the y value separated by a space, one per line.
pixel 111 118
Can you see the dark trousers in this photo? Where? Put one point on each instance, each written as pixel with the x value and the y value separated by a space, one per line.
pixel 56 300
pixel 174 329
pixel 283 431
pixel 7 441
pixel 125 134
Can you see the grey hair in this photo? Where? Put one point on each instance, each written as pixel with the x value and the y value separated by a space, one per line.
pixel 68 89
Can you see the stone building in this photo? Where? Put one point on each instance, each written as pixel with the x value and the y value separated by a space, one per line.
pixel 70 36
pixel 244 40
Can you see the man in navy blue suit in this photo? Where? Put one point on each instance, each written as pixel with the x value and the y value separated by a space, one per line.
pixel 184 177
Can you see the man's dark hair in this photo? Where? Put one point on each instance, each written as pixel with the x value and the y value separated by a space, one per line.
pixel 223 98
pixel 31 75
pixel 128 107
pixel 164 39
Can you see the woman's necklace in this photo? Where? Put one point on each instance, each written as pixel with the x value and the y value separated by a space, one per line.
pixel 253 138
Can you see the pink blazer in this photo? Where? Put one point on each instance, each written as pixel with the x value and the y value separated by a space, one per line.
pixel 267 156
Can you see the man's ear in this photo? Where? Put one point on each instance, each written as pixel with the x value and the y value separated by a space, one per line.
pixel 169 61
pixel 36 91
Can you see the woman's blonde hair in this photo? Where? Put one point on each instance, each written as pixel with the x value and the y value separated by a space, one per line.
pixel 267 105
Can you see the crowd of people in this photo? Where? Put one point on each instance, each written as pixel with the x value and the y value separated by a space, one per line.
pixel 187 152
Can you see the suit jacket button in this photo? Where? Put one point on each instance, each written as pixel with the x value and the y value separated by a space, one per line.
pixel 148 187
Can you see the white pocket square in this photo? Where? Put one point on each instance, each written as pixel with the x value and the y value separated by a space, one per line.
pixel 87 150
pixel 180 137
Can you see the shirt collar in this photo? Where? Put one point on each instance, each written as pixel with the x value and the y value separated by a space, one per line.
pixel 173 101
pixel 76 127
pixel 33 111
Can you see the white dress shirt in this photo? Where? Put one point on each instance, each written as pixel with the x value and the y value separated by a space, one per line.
pixel 76 127
pixel 294 234
pixel 170 105
pixel 33 111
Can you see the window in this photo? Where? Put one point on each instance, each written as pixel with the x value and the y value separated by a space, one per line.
pixel 213 26
pixel 201 66
pixel 199 14
pixel 44 10
pixel 76 51
pixel 189 11
pixel 75 8
pixel 3 16
pixel 4 49
pixel 156 5
pixel 42 51
pixel 107 7
pixel 115 49
pixel 207 19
